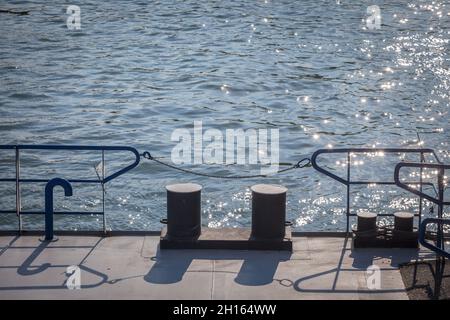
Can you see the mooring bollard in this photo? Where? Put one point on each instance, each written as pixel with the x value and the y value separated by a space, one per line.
pixel 183 211
pixel 367 221
pixel 49 203
pixel 403 221
pixel 268 212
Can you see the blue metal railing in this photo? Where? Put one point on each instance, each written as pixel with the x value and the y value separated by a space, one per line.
pixel 438 248
pixel 101 179
pixel 439 201
pixel 348 182
pixel 68 192
pixel 440 175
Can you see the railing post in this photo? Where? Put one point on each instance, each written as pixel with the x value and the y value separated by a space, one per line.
pixel 441 173
pixel 348 192
pixel 18 201
pixel 103 191
pixel 49 203
pixel 421 189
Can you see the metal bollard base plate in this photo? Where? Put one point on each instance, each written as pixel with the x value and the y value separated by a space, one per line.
pixel 227 239
pixel 385 238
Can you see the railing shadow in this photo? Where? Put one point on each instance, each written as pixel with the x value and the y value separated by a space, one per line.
pixel 258 268
pixel 4 249
pixel 26 268
pixel 362 259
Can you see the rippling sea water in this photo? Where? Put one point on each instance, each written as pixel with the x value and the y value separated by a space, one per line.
pixel 137 70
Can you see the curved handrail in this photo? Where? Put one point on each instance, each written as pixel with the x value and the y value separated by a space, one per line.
pixel 348 182
pixel 422 233
pixel 419 193
pixel 78 148
pixel 361 150
pixel 101 178
pixel 68 192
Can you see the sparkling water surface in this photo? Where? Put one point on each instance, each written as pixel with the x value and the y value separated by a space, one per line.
pixel 138 70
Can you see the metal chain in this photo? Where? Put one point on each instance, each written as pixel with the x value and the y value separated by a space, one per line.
pixel 305 162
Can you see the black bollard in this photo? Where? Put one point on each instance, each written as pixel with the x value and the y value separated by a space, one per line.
pixel 367 221
pixel 183 211
pixel 403 221
pixel 268 212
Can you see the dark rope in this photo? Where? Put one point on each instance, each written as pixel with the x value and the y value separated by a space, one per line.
pixel 305 162
pixel 20 13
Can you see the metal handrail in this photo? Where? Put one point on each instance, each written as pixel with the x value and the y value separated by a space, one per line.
pixel 438 248
pixel 101 179
pixel 348 182
pixel 440 202
pixel 68 192
pixel 441 170
pixel 77 148
pixel 422 235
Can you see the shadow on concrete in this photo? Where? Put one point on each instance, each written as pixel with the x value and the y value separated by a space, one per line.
pixel 27 268
pixel 258 267
pixel 4 249
pixel 362 259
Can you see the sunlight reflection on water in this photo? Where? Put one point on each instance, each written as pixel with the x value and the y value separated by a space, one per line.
pixel 137 71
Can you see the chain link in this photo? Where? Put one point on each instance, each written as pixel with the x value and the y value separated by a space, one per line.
pixel 305 162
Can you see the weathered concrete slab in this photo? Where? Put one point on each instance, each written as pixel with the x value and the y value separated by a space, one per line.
pixel 133 267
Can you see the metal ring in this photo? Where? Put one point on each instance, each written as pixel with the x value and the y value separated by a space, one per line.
pixel 163 221
pixel 308 162
pixel 288 223
pixel 147 155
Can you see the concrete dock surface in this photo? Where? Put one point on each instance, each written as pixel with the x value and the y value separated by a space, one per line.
pixel 133 267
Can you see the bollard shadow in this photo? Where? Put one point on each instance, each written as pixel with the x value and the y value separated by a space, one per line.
pixel 258 267
pixel 170 266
